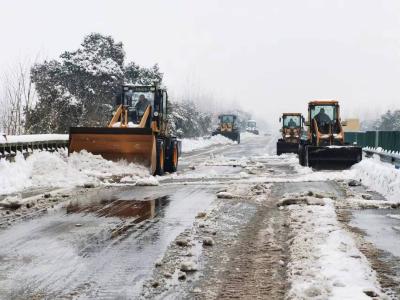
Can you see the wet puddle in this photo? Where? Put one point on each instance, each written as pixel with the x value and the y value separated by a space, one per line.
pixel 382 228
pixel 103 247
pixel 140 210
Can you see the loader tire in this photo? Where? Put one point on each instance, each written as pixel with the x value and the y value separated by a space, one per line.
pixel 171 162
pixel 160 158
pixel 302 155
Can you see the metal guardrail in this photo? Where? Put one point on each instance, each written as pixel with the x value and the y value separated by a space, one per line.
pixel 10 150
pixel 385 156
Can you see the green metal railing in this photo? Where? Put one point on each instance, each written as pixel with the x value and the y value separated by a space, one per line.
pixel 388 140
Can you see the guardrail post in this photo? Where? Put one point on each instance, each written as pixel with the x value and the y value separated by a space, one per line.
pixel 377 139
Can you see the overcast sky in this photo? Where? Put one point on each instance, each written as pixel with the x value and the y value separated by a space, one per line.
pixel 272 56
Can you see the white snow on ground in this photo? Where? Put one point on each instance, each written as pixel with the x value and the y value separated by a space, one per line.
pixel 33 138
pixel 246 135
pixel 379 176
pixel 324 259
pixel 45 169
pixel 199 143
pixel 396 217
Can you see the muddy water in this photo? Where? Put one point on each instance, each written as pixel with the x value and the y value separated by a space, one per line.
pixel 140 210
pixel 96 248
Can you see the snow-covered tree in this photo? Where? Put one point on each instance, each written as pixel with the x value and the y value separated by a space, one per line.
pixel 389 121
pixel 188 121
pixel 78 88
pixel 17 95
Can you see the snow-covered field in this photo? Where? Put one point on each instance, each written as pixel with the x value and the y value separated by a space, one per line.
pixel 45 169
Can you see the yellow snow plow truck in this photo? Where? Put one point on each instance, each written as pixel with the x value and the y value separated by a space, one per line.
pixel 292 129
pixel 138 131
pixel 323 147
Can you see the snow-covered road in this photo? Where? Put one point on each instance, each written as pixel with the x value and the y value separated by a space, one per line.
pixel 234 221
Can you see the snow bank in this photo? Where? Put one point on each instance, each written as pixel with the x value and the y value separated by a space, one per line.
pixel 45 169
pixel 379 176
pixel 324 260
pixel 194 144
pixel 247 135
pixel 33 138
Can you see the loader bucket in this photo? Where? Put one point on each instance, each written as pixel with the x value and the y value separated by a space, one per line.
pixel 284 147
pixel 333 157
pixel 233 135
pixel 136 145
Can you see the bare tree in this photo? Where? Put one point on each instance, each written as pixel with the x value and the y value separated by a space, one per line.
pixel 17 95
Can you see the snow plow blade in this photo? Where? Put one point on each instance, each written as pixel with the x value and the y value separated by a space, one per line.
pixel 234 136
pixel 136 145
pixel 333 157
pixel 284 147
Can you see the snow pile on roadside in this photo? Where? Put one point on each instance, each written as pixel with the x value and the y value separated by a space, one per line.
pixel 373 173
pixel 324 259
pixel 396 217
pixel 247 135
pixel 194 144
pixel 45 169
pixel 34 138
pixel 379 176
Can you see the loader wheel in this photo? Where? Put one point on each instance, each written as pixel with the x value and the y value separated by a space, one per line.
pixel 301 155
pixel 160 158
pixel 171 164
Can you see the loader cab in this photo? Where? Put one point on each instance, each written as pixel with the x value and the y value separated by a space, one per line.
pixel 325 126
pixel 324 115
pixel 227 122
pixel 251 124
pixel 292 120
pixel 137 98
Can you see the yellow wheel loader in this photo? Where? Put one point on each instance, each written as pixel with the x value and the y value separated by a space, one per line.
pixel 292 129
pixel 138 131
pixel 323 146
pixel 228 127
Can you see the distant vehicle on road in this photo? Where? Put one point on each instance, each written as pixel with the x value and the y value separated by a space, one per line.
pixel 251 126
pixel 228 127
